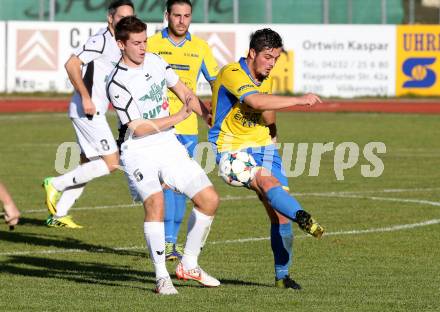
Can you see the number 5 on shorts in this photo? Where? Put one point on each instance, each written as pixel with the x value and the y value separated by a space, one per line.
pixel 138 175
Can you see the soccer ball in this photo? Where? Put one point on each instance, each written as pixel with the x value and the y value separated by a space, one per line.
pixel 237 168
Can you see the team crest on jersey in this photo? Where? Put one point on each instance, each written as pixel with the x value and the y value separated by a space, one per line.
pixel 245 87
pixel 155 93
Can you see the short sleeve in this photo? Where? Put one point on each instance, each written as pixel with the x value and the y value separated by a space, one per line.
pixel 122 102
pixel 209 64
pixel 92 49
pixel 238 83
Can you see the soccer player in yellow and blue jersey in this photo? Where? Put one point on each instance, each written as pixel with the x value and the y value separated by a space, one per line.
pixel 242 105
pixel 189 56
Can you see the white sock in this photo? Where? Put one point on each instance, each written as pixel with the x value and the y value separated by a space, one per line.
pixel 81 174
pixel 199 225
pixel 154 233
pixel 63 181
pixel 67 200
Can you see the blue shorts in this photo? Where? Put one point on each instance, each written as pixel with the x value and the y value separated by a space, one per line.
pixel 266 157
pixel 189 141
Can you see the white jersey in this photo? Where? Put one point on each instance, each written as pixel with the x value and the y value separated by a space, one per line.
pixel 100 55
pixel 141 93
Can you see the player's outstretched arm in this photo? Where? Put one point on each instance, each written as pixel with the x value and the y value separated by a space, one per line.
pixel 73 68
pixel 262 102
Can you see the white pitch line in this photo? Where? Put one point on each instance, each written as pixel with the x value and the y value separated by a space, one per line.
pixel 33 145
pixel 387 229
pixel 401 200
pixel 244 240
pixel 32 116
pixel 231 241
pixel 351 194
pixel 427 189
pixel 73 250
pixel 351 232
pixel 85 208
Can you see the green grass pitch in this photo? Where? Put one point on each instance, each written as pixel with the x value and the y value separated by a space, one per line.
pixel 381 251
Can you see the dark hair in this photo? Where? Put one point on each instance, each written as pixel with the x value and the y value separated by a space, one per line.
pixel 128 25
pixel 114 5
pixel 265 39
pixel 170 3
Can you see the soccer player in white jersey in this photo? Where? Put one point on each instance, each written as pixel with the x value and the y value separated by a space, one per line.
pixel 88 69
pixel 152 155
pixel 191 57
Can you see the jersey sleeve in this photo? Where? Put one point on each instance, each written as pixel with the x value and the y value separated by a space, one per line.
pixel 92 49
pixel 238 83
pixel 122 102
pixel 209 64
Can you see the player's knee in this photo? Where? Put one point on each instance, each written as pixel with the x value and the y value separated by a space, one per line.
pixel 212 199
pixel 265 180
pixel 207 201
pixel 154 207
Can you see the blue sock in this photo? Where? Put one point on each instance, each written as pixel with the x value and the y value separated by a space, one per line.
pixel 169 213
pixel 282 202
pixel 179 213
pixel 281 239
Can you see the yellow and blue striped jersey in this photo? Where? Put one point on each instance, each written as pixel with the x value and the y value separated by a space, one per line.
pixel 189 59
pixel 235 125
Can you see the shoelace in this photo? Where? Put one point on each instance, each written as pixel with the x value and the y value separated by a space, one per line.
pixel 196 272
pixel 164 283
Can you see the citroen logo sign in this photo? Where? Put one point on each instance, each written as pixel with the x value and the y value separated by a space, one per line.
pixel 37 50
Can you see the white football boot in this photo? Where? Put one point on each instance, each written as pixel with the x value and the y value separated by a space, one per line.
pixel 164 286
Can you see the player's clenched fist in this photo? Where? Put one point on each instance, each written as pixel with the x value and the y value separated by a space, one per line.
pixel 89 107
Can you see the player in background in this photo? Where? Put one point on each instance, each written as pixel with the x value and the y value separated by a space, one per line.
pixel 88 69
pixel 242 106
pixel 189 56
pixel 11 212
pixel 152 155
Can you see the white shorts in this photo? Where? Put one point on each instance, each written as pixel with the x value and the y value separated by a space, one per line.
pixel 168 162
pixel 94 136
pixel 131 185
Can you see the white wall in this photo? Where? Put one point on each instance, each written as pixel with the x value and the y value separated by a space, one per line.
pixel 343 60
pixel 2 56
pixel 331 60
